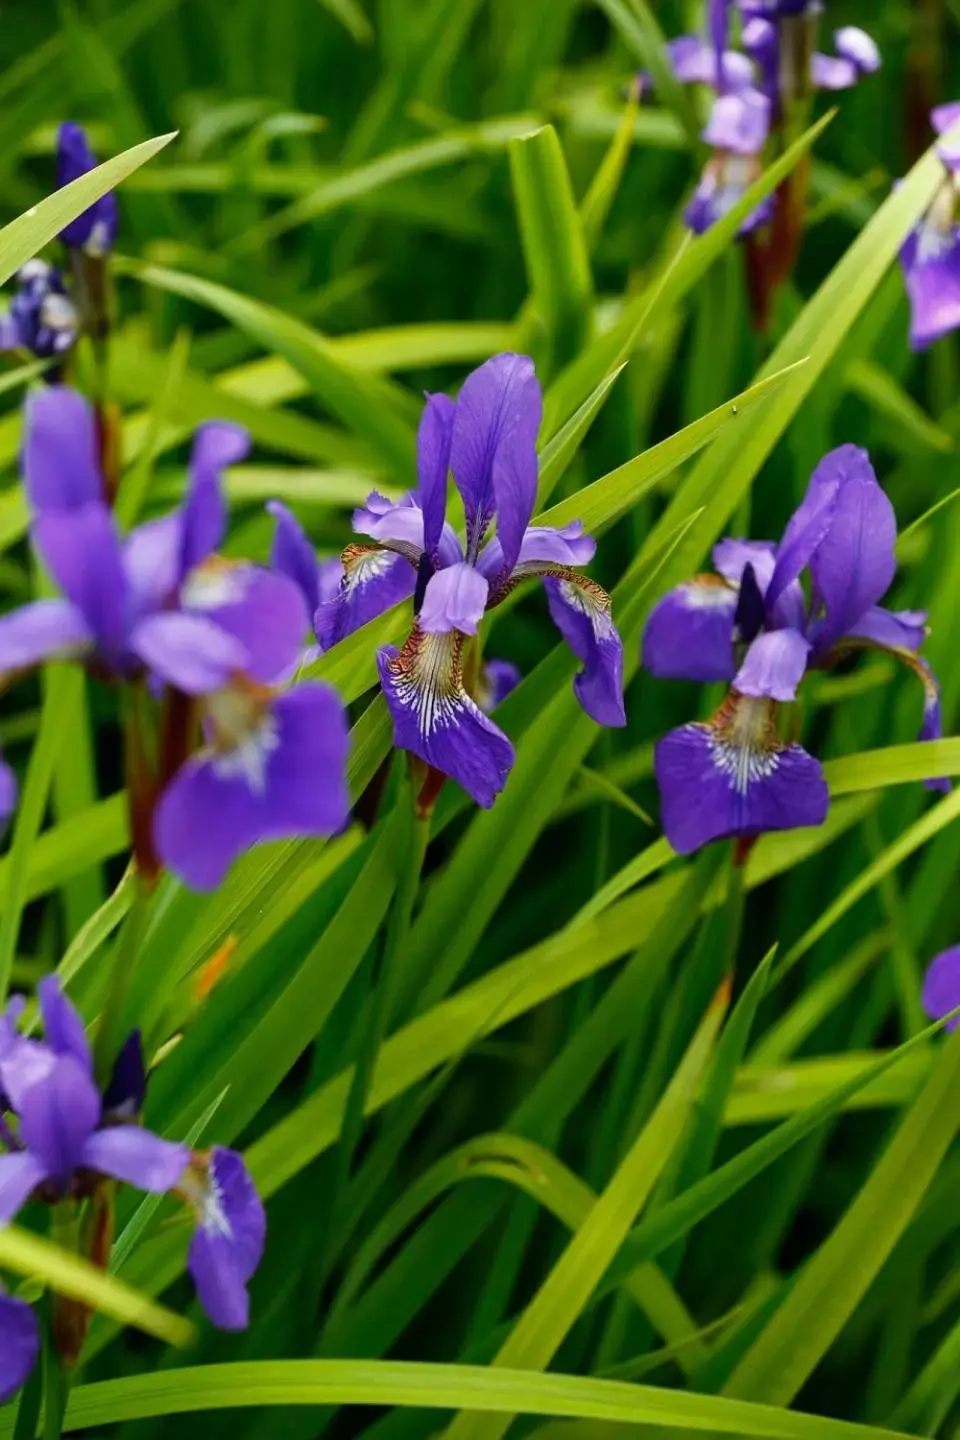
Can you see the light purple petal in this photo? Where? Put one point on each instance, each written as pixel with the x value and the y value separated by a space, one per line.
pixel 494 451
pixel 262 609
pixel 758 37
pixel 774 665
pixel 455 599
pixel 63 1027
pixel 81 550
pixel 435 718
pixel 581 612
pixel 373 581
pixel 286 780
pixel 856 45
pixel 151 563
pixel 399 527
pixel 293 555
pixel 60 464
pixel 19 1344
pixel 941 986
pixel 229 1241
pixel 497 679
pixel 189 652
pixel 944 117
pixel 694 62
pixel 24 1064
pixel 854 563
pixel 734 777
pixel 832 72
pixel 216 445
pixel 137 1157
pixel 20 1174
pixel 930 259
pixel 739 122
pixel 434 439
pixel 892 629
pixel 541 546
pixel 41 631
pixel 731 557
pixel 689 635
pixel 8 792
pixel 58 1114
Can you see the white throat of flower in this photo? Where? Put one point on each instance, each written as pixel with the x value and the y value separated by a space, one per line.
pixel 744 744
pixel 200 1189
pixel 936 232
pixel 213 583
pixel 245 734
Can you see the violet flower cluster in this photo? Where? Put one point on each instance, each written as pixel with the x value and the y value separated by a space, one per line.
pixel 437 695
pixel 930 257
pixel 753 626
pixel 756 85
pixel 61 1141
pixel 204 644
pixel 46 314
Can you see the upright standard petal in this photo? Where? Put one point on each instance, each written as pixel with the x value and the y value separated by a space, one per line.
pixel 293 555
pixel 229 1240
pixel 43 630
pixel 134 1155
pixel 63 1027
pixel 812 519
pixel 19 1344
pixel 61 470
pixel 281 775
pixel 435 718
pixel 581 612
pixel 733 777
pixel 854 563
pixel 127 1088
pixel 151 564
pixel 774 665
pixel 96 229
pixel 455 599
pixel 493 453
pixel 261 609
pixel 941 986
pixel 81 549
pixel 689 635
pixel 215 446
pixel 434 439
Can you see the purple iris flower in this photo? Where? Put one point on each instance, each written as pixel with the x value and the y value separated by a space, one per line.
pixel 497 679
pixel 930 257
pixel 487 438
pixel 752 626
pixel 96 229
pixel 42 317
pixel 941 986
pixel 68 1138
pixel 162 605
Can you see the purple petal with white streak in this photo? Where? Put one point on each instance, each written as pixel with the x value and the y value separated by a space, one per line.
pixel 262 609
pixel 739 122
pixel 857 46
pixel 714 786
pixel 229 1241
pixel 689 634
pixel 930 259
pixel 581 612
pixel 373 580
pixel 435 718
pixel 287 781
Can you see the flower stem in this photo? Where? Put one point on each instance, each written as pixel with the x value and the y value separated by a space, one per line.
pixel 126 955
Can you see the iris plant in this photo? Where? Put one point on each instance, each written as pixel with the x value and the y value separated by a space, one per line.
pixel 64 1140
pixel 930 257
pixel 202 645
pixel 432 685
pixel 753 625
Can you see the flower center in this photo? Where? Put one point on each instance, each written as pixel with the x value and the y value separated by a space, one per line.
pixel 744 744
pixel 213 583
pixel 244 733
pixel 936 233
